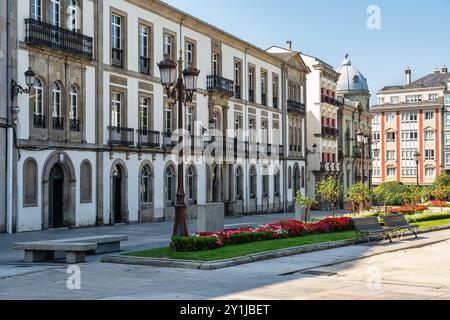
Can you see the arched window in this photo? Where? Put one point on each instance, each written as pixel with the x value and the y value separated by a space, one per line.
pixel 37 104
pixel 36 10
pixel 86 182
pixel 253 186
pixel 56 106
pixel 30 183
pixel 239 183
pixel 170 186
pixel 72 12
pixel 146 186
pixel 191 185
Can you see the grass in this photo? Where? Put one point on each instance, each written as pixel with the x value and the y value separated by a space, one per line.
pixel 257 247
pixel 244 249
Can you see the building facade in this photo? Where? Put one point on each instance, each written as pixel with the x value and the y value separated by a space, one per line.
pixel 97 134
pixel 353 116
pixel 410 119
pixel 4 102
pixel 322 121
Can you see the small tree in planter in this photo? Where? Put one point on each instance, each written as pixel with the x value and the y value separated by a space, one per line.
pixel 359 194
pixel 306 203
pixel 331 191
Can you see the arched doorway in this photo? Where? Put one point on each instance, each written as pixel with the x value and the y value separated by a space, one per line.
pixel 56 197
pixel 117 194
pixel 296 180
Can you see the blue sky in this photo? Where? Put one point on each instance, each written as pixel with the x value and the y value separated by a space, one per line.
pixel 413 33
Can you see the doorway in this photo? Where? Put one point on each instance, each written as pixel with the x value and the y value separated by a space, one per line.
pixel 56 197
pixel 117 194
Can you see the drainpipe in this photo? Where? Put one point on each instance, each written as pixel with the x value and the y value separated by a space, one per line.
pixel 246 171
pixel 284 133
pixel 10 133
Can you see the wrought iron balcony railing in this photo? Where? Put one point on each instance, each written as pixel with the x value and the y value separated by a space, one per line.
pixel 168 142
pixel 74 125
pixel 148 139
pixel 330 132
pixel 121 136
pixel 58 123
pixel 39 121
pixel 40 33
pixel 219 84
pixel 294 106
pixel 117 57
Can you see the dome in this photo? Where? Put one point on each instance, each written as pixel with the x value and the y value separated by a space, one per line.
pixel 351 79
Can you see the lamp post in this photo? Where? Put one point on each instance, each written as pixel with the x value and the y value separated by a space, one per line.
pixel 417 158
pixel 182 91
pixel 363 140
pixel 16 89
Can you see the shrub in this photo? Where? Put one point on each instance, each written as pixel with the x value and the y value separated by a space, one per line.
pixel 427 216
pixel 359 194
pixel 407 209
pixel 391 194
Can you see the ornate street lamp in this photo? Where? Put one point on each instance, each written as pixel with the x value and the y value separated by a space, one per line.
pixel 16 89
pixel 182 91
pixel 417 158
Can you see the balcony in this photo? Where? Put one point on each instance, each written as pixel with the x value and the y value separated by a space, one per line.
pixel 39 121
pixel 295 107
pixel 117 57
pixel 39 33
pixel 330 132
pixel 237 92
pixel 331 100
pixel 167 141
pixel 264 99
pixel 144 65
pixel 251 96
pixel 75 125
pixel 121 136
pixel 330 167
pixel 58 123
pixel 221 85
pixel 148 139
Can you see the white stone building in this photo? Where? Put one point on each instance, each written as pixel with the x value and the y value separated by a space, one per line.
pixel 94 137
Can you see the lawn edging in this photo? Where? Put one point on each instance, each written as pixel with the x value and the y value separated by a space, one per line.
pixel 255 257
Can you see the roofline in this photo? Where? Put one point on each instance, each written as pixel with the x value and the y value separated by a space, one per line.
pixel 410 89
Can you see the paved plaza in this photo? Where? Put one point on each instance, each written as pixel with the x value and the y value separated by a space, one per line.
pixel 408 269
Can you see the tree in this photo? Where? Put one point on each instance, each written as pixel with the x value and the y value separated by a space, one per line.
pixel 359 194
pixel 331 191
pixel 441 194
pixel 306 203
pixel 415 195
pixel 391 194
pixel 442 181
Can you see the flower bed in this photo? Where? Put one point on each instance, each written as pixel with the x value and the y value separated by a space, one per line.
pixel 438 204
pixel 408 209
pixel 280 230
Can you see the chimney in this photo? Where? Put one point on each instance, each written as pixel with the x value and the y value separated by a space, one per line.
pixel 436 71
pixel 289 45
pixel 408 75
pixel 444 69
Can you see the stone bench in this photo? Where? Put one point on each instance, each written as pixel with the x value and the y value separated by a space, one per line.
pixel 46 251
pixel 74 249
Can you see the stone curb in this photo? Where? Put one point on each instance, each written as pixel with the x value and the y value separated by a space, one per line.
pixel 227 263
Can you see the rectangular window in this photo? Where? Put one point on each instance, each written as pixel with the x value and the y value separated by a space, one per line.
pixel 447 119
pixel 380 100
pixel 433 97
pixel 144 115
pixel 430 172
pixel 429 115
pixel 215 64
pixel 190 47
pixel 36 10
pixel 390 117
pixel 116 105
pixel 390 137
pixel 429 135
pixel 447 139
pixel 429 154
pixel 54 13
pixel 116 31
pixel 167 117
pixel 189 120
pixel 391 172
pixel 447 159
pixel 395 100
pixel 169 42
pixel 413 98
pixel 390 155
pixel 144 49
pixel 251 84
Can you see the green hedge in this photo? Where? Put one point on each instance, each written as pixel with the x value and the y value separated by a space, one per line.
pixel 427 216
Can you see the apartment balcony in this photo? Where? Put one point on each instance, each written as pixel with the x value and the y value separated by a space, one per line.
pixel 251 96
pixel 220 85
pixel 237 92
pixel 330 167
pixel 117 57
pixel 144 65
pixel 148 139
pixel 75 125
pixel 121 136
pixel 264 99
pixel 331 101
pixel 330 132
pixel 43 34
pixel 39 121
pixel 58 123
pixel 295 107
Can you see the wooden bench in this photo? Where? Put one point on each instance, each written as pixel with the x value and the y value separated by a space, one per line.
pixel 74 249
pixel 370 226
pixel 46 251
pixel 399 223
